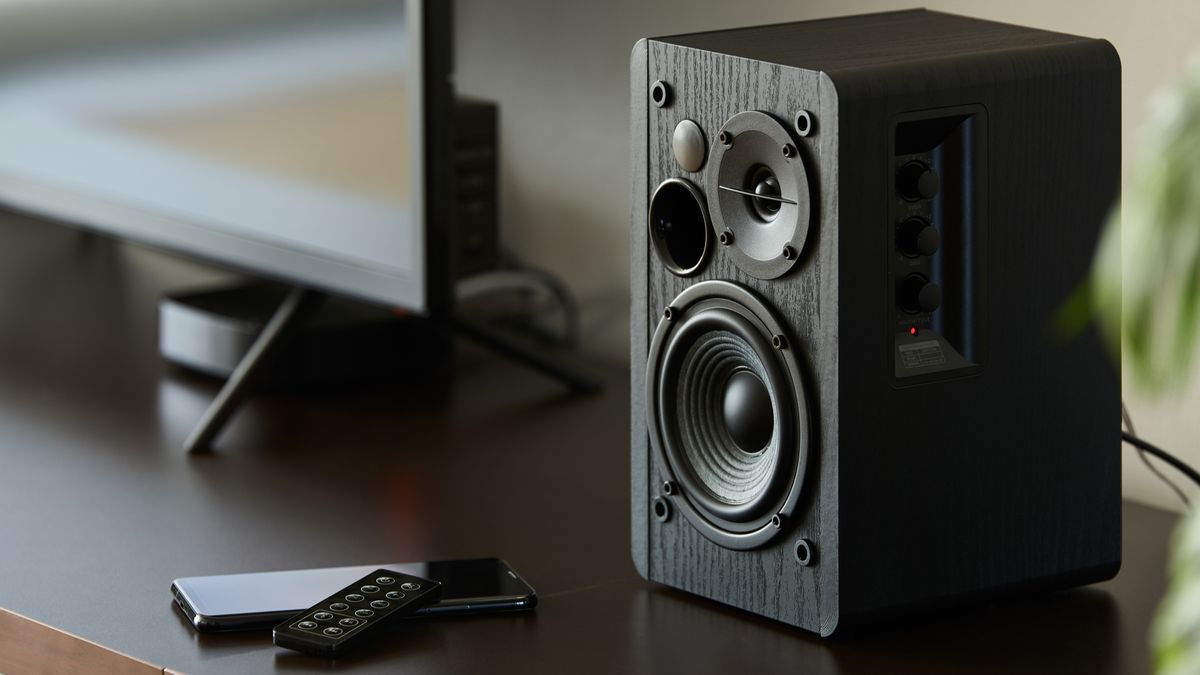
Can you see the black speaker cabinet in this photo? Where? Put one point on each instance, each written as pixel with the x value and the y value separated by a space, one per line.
pixel 849 240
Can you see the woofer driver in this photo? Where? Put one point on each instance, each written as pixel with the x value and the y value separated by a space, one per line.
pixel 727 413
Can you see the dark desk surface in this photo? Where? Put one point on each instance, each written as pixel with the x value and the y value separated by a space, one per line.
pixel 100 510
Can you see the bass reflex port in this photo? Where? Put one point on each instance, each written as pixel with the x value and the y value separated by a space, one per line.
pixel 679 226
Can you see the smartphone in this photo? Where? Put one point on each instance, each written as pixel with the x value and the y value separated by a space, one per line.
pixel 256 601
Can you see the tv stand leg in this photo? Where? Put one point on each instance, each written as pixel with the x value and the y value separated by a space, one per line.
pixel 292 313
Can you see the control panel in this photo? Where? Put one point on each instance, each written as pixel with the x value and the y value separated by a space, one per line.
pixel 937 233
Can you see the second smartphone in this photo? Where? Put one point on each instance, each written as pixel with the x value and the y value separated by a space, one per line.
pixel 261 600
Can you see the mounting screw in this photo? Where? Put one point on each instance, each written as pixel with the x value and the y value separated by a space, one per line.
pixel 777 520
pixel 726 237
pixel 668 487
pixel 789 252
pixel 805 555
pixel 789 150
pixel 662 509
pixel 660 94
pixel 725 138
pixel 804 123
pixel 669 314
pixel 778 342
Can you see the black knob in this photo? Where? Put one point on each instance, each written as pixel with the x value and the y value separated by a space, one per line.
pixel 917 181
pixel 917 237
pixel 918 294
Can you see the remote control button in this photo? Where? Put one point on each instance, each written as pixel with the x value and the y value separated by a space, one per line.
pixel 355 597
pixel 369 589
pixel 322 616
pixel 380 604
pixel 339 607
pixel 385 581
pixel 334 630
pixel 409 586
pixel 364 613
pixel 350 622
pixel 306 625
pixel 393 595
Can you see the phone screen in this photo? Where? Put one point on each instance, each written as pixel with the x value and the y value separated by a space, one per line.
pixel 472 580
pixel 259 600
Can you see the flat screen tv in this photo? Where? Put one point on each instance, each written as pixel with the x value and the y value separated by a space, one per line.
pixel 302 141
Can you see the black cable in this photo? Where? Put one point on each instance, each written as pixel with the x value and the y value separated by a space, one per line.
pixel 1165 456
pixel 1128 420
pixel 512 274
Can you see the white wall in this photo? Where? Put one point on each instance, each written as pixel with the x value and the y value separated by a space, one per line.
pixel 560 72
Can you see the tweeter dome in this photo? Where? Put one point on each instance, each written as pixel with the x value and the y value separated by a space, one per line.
pixel 760 185
pixel 848 238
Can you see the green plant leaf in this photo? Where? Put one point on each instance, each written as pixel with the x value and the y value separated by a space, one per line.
pixel 1149 255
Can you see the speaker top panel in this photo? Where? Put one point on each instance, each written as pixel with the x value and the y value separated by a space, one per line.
pixel 886 44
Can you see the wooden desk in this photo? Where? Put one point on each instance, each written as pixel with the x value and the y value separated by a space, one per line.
pixel 100 510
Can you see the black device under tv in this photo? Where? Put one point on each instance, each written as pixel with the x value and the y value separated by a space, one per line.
pixel 837 412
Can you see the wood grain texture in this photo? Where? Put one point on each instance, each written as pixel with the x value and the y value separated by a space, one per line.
pixel 1007 479
pixel 28 647
pixel 639 338
pixel 710 88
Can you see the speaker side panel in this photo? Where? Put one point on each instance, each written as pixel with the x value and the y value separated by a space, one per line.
pixel 639 335
pixel 1009 477
pixel 709 88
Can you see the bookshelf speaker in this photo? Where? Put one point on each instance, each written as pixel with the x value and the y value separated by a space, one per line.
pixel 849 238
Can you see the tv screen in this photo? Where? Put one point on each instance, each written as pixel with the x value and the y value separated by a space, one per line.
pixel 286 139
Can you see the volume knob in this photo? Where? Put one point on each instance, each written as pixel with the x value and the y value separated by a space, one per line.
pixel 919 294
pixel 917 181
pixel 917 237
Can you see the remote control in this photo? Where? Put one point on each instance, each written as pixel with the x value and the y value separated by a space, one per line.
pixel 355 613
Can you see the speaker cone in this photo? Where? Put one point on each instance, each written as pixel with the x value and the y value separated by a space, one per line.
pixel 761 194
pixel 727 413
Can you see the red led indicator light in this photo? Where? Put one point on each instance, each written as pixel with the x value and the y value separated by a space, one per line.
pixel 912 331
